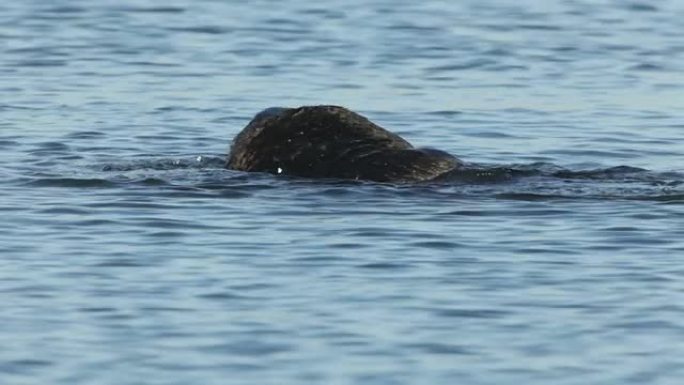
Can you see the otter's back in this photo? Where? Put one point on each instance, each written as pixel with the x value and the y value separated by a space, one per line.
pixel 333 142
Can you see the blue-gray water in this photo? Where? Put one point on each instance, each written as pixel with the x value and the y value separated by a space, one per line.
pixel 130 256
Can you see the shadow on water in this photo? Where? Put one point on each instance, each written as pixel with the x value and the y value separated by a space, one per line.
pixel 205 175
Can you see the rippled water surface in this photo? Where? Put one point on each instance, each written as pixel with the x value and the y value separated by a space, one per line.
pixel 130 256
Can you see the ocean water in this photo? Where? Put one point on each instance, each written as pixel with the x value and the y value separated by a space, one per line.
pixel 129 255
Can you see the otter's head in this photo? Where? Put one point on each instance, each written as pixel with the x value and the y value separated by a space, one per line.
pixel 270 112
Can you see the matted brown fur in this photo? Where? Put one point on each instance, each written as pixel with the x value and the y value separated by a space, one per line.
pixel 332 142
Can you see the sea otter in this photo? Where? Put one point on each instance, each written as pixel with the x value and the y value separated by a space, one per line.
pixel 332 142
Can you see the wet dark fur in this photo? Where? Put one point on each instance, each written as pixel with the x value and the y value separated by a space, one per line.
pixel 331 142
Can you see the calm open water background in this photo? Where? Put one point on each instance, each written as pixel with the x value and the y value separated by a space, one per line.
pixel 130 256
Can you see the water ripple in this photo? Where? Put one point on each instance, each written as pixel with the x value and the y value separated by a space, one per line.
pixel 71 183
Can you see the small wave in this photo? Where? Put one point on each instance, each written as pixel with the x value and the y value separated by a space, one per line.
pixel 165 164
pixel 71 182
pixel 41 63
pixel 85 135
pixel 621 173
pixel 159 9
pixel 205 29
pixel 618 172
pixel 640 7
